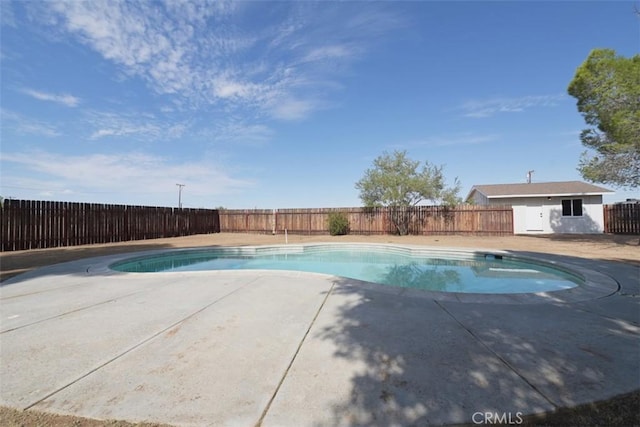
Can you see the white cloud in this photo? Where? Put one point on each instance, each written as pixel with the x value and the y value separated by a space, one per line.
pixel 216 53
pixel 140 36
pixel 237 131
pixel 329 52
pixel 64 99
pixel 292 109
pixel 7 17
pixel 493 106
pixel 126 175
pixel 176 130
pixel 454 140
pixel 226 88
pixel 25 125
pixel 147 132
pixel 144 127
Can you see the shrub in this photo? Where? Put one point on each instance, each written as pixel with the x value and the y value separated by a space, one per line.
pixel 338 224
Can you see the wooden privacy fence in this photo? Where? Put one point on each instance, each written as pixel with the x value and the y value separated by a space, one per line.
pixel 623 218
pixel 29 224
pixel 489 220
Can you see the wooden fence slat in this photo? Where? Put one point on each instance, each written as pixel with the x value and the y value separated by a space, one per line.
pixel 28 224
pixel 12 213
pixel 4 228
pixel 623 218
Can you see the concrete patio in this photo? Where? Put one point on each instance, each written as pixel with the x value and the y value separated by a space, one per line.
pixel 302 349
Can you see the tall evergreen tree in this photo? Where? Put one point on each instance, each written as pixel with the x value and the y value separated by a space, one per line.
pixel 607 87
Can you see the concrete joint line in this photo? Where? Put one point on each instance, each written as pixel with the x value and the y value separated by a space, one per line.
pixel 504 361
pixel 57 316
pixel 293 358
pixel 118 356
pixel 2 298
pixel 618 292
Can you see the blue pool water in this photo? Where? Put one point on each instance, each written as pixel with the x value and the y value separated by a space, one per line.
pixel 471 274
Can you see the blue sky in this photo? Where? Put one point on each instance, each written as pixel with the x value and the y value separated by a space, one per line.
pixel 286 104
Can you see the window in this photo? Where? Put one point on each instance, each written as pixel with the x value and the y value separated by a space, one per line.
pixel 572 207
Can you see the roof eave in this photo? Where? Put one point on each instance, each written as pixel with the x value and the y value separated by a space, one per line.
pixel 470 195
pixel 508 196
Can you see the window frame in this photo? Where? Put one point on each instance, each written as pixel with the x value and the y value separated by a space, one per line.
pixel 574 205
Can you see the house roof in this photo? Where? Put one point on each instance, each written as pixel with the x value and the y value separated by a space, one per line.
pixel 538 189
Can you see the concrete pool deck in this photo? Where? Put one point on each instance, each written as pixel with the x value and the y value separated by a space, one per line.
pixel 284 348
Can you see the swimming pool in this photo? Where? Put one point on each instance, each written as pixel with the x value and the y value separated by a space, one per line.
pixel 415 268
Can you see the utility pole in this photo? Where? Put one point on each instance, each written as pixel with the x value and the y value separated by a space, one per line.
pixel 529 176
pixel 180 195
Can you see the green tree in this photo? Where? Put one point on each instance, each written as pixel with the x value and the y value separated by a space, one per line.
pixel 397 182
pixel 607 87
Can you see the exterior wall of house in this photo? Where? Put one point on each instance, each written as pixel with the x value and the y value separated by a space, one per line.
pixel 480 199
pixel 527 209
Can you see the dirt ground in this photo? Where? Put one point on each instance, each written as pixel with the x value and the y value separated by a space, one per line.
pixel 620 411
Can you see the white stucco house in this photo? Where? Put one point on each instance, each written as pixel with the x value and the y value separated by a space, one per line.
pixel 547 207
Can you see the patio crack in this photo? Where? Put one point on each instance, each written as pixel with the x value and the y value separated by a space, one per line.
pixel 295 354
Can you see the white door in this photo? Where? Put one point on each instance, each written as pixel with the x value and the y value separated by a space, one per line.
pixel 534 218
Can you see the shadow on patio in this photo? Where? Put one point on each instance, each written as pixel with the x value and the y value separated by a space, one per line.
pixel 423 362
